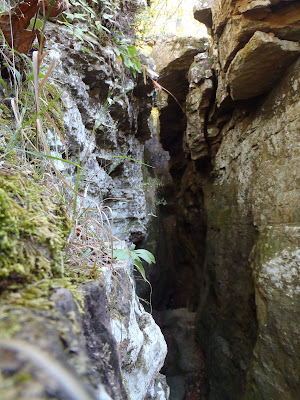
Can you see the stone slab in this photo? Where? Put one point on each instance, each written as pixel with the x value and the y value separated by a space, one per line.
pixel 259 64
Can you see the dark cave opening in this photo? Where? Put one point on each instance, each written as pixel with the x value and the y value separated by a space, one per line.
pixel 177 236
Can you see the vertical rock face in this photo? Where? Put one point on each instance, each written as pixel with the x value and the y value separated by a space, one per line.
pixel 236 175
pixel 174 58
pixel 252 237
pixel 141 345
pixel 58 340
pixel 105 114
pixel 247 318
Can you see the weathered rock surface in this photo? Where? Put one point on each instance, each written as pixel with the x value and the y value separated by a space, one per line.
pixel 176 54
pixel 259 64
pixel 174 58
pixel 236 179
pixel 197 103
pixel 184 362
pixel 141 345
pixel 105 122
pixel 58 340
pixel 252 210
pixel 234 24
pixel 86 346
pixel 202 12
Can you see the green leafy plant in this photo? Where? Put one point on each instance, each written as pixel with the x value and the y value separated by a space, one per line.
pixel 128 56
pixel 95 20
pixel 96 28
pixel 135 256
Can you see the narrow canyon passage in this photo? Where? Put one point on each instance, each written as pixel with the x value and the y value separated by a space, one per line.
pixel 225 237
pixel 118 143
pixel 189 249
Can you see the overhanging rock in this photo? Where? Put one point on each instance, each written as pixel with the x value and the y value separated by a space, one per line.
pixel 259 64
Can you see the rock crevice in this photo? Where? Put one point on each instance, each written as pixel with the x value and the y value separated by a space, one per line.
pixel 233 161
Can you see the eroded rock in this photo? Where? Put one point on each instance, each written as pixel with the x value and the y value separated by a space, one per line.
pixel 238 210
pixel 103 121
pixel 109 348
pixel 141 345
pixel 58 340
pixel 198 102
pixel 202 12
pixel 252 208
pixel 184 362
pixel 259 64
pixel 235 23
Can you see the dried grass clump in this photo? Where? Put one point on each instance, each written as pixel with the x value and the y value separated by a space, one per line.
pixel 90 243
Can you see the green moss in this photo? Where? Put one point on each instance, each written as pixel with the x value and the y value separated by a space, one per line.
pixel 27 107
pixel 37 295
pixel 10 322
pixel 11 386
pixel 32 232
pixel 5 114
pixel 272 241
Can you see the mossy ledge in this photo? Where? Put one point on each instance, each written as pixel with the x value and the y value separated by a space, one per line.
pixel 33 228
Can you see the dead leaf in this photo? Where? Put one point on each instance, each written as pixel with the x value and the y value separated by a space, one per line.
pixel 58 7
pixel 23 40
pixel 14 25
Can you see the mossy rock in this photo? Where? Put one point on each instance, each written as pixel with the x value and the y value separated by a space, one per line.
pixel 33 228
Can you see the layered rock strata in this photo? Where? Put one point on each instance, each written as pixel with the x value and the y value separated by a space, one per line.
pixel 70 329
pixel 234 164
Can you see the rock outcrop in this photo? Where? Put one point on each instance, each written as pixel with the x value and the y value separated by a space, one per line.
pixel 229 235
pixel 251 72
pixel 252 208
pixel 105 117
pixel 76 329
pixel 234 157
pixel 96 342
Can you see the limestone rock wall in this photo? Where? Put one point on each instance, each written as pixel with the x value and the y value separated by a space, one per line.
pixel 236 176
pixel 81 334
pixel 62 336
pixel 104 129
pixel 252 136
